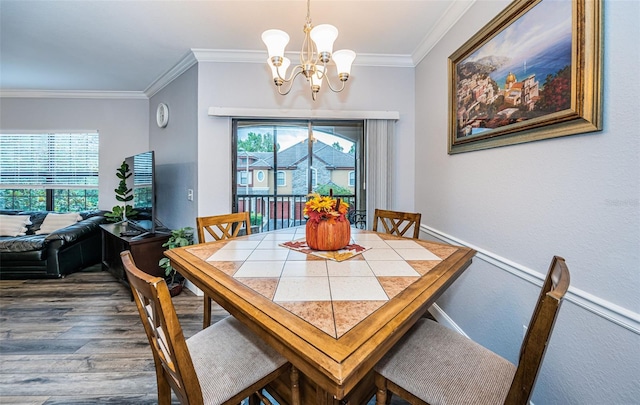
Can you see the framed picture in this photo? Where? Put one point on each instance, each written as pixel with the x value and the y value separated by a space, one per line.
pixel 532 73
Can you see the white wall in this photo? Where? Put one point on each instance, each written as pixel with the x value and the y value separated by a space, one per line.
pixel 576 196
pixel 122 125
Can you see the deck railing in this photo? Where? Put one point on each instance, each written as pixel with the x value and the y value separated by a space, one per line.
pixel 270 212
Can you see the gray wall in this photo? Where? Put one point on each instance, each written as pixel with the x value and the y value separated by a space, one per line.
pixel 122 124
pixel 576 196
pixel 175 149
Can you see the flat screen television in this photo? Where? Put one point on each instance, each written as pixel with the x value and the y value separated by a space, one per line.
pixel 142 182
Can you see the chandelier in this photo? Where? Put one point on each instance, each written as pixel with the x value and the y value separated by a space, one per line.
pixel 315 55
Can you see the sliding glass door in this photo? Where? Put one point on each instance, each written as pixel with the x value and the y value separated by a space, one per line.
pixel 278 163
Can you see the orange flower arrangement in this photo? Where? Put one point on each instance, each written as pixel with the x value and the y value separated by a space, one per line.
pixel 325 208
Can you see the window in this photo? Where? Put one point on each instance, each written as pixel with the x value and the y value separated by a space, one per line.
pixel 352 178
pixel 244 178
pixel 260 176
pixel 53 171
pixel 314 177
pixel 282 178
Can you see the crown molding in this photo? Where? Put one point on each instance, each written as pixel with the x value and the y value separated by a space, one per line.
pixel 170 75
pixel 132 95
pixel 455 11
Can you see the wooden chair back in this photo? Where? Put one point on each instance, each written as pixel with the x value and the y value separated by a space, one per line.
pixel 174 367
pixel 397 223
pixel 220 227
pixel 539 331
pixel 223 226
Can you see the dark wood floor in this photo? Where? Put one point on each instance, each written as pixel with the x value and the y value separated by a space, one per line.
pixel 79 340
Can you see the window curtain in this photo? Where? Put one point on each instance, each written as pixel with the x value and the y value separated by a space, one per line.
pixel 379 161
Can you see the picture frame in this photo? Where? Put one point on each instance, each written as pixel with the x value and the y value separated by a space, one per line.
pixel 533 72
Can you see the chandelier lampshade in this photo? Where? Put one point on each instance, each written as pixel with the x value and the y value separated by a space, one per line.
pixel 315 56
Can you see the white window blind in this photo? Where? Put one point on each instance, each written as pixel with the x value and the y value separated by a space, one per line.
pixel 51 160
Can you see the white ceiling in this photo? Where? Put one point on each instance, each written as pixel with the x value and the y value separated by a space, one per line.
pixel 128 45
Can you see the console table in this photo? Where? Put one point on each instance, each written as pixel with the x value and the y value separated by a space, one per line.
pixel 146 250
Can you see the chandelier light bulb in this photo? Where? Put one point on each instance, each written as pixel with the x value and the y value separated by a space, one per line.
pixel 316 78
pixel 276 41
pixel 343 60
pixel 324 35
pixel 279 73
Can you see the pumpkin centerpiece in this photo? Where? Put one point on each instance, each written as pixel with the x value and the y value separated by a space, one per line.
pixel 327 225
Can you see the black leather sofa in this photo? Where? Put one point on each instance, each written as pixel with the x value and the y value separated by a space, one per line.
pixel 52 255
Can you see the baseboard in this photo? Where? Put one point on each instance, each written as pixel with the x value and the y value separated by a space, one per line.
pixel 607 310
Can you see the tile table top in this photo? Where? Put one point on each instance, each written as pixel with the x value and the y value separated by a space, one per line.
pixel 330 295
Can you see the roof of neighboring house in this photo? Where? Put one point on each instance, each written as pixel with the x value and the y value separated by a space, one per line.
pixel 291 157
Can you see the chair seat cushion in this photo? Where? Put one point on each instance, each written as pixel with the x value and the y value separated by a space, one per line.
pixel 228 357
pixel 442 367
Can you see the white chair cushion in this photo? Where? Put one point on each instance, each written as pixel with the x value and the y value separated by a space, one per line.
pixel 442 367
pixel 228 357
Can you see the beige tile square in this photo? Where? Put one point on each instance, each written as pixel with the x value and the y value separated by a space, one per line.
pixel 416 254
pixel 303 289
pixel 305 269
pixel 356 289
pixel 353 268
pixel 230 255
pixel 387 268
pixel 404 244
pixel 269 254
pixel 260 269
pixel 381 254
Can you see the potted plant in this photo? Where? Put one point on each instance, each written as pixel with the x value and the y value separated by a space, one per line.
pixel 124 195
pixel 179 238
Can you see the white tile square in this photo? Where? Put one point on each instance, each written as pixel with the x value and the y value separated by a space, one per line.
pixel 295 256
pixel 353 268
pixel 230 255
pixel 260 269
pixel 377 244
pixel 404 244
pixel 281 236
pixel 303 289
pixel 417 254
pixel 305 269
pixel 269 244
pixel 241 244
pixel 381 254
pixel 389 268
pixel 269 254
pixel 356 289
pixel 358 237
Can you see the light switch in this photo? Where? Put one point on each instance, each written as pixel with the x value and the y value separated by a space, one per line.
pixel 190 194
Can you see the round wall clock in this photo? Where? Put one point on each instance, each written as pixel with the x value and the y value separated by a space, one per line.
pixel 162 115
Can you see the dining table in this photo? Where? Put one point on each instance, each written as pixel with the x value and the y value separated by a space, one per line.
pixel 333 315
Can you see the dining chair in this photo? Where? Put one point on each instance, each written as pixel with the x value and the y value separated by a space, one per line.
pixel 432 364
pixel 220 227
pixel 222 364
pixel 397 222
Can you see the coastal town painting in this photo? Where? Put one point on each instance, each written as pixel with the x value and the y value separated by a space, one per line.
pixel 531 73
